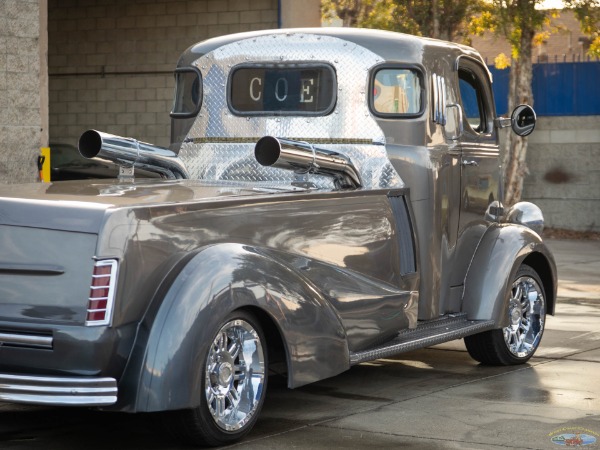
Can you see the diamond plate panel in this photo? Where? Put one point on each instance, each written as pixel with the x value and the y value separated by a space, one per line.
pixel 220 145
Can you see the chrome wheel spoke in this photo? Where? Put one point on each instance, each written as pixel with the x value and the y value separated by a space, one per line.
pixel 234 349
pixel 232 395
pixel 222 344
pixel 220 405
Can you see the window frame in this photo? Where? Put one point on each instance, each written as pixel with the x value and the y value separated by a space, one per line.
pixel 417 69
pixel 483 88
pixel 194 113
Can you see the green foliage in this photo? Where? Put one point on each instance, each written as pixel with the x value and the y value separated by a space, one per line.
pixel 389 15
pixel 588 13
pixel 445 19
pixel 352 12
pixel 510 19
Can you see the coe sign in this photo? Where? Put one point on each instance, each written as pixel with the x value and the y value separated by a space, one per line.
pixel 283 89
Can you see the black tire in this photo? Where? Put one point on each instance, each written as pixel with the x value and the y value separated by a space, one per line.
pixel 516 343
pixel 203 426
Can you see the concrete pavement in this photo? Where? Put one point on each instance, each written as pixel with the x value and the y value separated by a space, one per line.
pixel 436 398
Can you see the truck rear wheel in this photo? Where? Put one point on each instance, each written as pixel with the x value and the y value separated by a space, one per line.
pixel 234 385
pixel 517 342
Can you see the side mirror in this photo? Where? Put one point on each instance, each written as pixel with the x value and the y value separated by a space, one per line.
pixel 523 120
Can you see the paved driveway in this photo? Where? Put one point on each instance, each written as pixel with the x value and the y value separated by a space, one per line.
pixel 436 398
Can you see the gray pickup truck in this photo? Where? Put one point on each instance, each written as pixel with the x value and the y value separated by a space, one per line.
pixel 329 197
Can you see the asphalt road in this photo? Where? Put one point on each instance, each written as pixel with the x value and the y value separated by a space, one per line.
pixel 436 398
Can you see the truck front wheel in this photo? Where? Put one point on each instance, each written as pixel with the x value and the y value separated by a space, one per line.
pixel 517 342
pixel 234 384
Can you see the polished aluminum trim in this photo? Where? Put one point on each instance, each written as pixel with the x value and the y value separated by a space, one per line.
pixel 302 157
pixel 25 340
pixel 130 152
pixel 433 333
pixel 66 391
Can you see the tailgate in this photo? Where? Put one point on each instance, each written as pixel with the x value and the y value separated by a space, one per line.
pixel 45 275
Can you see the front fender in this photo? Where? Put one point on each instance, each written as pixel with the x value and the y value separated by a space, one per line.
pixel 500 253
pixel 216 281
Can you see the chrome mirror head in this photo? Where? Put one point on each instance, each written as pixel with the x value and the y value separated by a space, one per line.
pixel 523 120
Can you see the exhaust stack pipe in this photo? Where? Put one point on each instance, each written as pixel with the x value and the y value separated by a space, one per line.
pixel 129 153
pixel 302 157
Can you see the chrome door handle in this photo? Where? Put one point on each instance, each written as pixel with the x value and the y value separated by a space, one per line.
pixel 470 163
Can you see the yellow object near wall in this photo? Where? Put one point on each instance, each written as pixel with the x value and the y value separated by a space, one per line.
pixel 44 164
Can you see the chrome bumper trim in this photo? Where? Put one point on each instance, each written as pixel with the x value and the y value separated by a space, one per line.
pixel 26 340
pixel 67 391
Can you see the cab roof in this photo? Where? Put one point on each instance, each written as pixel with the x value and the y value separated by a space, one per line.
pixel 389 45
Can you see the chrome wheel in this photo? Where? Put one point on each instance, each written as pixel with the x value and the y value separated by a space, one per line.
pixel 526 312
pixel 235 375
pixel 517 342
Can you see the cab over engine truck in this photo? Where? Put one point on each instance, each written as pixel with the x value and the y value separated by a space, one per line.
pixel 329 197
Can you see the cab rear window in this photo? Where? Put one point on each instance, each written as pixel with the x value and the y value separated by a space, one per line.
pixel 397 92
pixel 282 89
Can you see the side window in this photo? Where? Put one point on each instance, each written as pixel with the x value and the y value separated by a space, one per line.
pixel 472 100
pixel 397 92
pixel 188 92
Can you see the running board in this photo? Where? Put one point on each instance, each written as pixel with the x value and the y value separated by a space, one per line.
pixel 429 333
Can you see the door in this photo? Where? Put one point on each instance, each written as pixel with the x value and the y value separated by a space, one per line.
pixel 480 164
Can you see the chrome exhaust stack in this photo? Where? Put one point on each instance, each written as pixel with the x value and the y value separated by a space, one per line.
pixel 302 157
pixel 130 153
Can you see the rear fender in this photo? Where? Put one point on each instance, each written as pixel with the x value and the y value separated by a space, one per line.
pixel 216 281
pixel 502 250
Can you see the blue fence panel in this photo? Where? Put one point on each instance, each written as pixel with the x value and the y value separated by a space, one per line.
pixel 553 89
pixel 500 86
pixel 587 90
pixel 559 89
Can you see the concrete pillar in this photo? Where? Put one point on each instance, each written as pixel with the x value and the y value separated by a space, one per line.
pixel 21 78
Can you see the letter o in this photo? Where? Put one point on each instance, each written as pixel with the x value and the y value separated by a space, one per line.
pixel 285 87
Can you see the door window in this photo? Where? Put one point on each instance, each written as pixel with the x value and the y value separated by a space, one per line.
pixel 472 100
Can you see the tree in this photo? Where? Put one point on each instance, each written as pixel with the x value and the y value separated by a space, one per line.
pixel 352 12
pixel 523 23
pixel 588 13
pixel 443 19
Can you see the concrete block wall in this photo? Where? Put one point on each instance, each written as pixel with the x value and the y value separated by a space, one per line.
pixel 20 90
pixel 111 62
pixel 563 159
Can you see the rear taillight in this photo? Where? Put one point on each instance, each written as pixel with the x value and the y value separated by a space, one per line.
pixel 102 293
